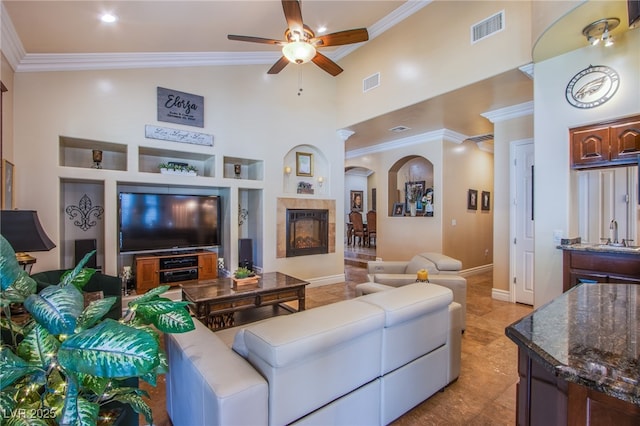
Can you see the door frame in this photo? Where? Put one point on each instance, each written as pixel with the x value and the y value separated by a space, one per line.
pixel 513 214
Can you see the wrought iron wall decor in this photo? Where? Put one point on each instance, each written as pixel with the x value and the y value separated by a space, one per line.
pixel 243 214
pixel 83 212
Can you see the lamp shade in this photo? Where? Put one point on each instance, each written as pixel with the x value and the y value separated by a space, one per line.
pixel 299 52
pixel 22 229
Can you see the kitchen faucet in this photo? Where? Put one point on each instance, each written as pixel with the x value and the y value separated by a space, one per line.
pixel 613 226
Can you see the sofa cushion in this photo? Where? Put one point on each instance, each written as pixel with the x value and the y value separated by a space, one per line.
pixel 419 262
pixel 394 280
pixel 442 261
pixel 285 340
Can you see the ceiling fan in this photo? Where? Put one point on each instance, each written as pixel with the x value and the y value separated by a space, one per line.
pixel 300 42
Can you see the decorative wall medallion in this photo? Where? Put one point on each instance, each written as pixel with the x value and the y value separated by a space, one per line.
pixel 592 86
pixel 82 213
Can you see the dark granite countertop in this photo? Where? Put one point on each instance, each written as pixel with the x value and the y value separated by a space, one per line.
pixel 589 335
pixel 601 248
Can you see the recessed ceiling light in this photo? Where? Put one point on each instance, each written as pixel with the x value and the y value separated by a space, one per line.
pixel 399 129
pixel 108 18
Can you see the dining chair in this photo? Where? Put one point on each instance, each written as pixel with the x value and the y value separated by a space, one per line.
pixel 371 226
pixel 358 228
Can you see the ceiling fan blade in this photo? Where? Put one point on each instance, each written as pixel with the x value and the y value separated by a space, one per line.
pixel 342 37
pixel 293 14
pixel 256 39
pixel 278 66
pixel 326 64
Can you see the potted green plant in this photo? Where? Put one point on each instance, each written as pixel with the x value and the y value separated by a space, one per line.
pixel 65 362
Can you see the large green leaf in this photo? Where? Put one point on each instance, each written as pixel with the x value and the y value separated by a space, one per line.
pixel 78 278
pixel 77 411
pixel 78 274
pixel 56 308
pixel 38 347
pixel 12 367
pixel 21 288
pixel 94 312
pixel 7 401
pixel 168 316
pixel 110 349
pixel 151 294
pixel 137 403
pixel 9 268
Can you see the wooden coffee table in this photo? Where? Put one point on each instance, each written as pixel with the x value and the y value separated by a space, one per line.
pixel 215 301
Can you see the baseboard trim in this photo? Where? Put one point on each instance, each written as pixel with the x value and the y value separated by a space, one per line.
pixel 331 279
pixel 502 295
pixel 476 270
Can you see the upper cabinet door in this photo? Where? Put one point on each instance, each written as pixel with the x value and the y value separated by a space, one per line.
pixel 612 143
pixel 625 141
pixel 590 146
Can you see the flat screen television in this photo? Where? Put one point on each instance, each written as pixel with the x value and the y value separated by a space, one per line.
pixel 167 221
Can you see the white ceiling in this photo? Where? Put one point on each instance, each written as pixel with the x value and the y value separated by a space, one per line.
pixel 68 35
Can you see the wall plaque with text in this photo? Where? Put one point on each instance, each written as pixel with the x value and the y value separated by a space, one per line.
pixel 180 107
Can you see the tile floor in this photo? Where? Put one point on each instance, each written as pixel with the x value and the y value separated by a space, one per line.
pixel 484 394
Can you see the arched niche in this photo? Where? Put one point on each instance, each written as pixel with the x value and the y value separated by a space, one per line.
pixel 306 167
pixel 409 171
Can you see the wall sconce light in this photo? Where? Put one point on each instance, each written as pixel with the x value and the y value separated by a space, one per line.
pixel 320 180
pixel 600 31
pixel 287 170
pixel 97 158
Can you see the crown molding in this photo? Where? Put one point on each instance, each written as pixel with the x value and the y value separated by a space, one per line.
pixel 11 47
pixel 434 136
pixel 509 113
pixel 21 61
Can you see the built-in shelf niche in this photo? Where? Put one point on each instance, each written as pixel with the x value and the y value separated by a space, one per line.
pixel 150 158
pixel 249 169
pixel 75 152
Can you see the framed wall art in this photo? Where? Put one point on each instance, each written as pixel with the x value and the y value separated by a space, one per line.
pixel 472 199
pixel 486 201
pixel 304 164
pixel 8 194
pixel 356 200
pixel 398 209
pixel 414 191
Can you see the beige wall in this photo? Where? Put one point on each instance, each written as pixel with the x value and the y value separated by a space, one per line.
pixel 251 115
pixel 505 132
pixel 553 119
pixel 416 59
pixel 6 76
pixel 470 239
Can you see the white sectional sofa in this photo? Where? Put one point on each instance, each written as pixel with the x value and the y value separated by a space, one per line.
pixel 442 270
pixel 362 361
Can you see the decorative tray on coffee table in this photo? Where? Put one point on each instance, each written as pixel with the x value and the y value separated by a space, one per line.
pixel 245 282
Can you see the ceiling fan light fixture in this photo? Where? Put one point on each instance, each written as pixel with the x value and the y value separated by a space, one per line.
pixel 299 52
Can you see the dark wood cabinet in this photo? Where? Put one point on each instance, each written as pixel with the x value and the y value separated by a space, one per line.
pixel 603 267
pixel 545 399
pixel 173 269
pixel 606 144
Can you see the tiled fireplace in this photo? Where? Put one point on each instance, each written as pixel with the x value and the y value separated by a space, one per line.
pixel 307 232
pixel 305 227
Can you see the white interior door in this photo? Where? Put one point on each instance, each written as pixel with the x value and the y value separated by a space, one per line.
pixel 522 253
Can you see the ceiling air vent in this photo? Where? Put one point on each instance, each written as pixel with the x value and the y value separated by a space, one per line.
pixel 399 129
pixel 481 138
pixel 371 82
pixel 489 26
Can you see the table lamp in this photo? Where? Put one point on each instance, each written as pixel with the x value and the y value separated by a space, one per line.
pixel 22 229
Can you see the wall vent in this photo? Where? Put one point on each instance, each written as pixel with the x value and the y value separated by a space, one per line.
pixel 489 26
pixel 371 82
pixel 481 138
pixel 399 129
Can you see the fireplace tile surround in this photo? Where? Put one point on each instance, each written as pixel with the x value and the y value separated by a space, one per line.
pixel 301 203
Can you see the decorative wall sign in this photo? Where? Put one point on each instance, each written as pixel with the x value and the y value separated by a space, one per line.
pixel 179 107
pixel 83 212
pixel 592 86
pixel 176 135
